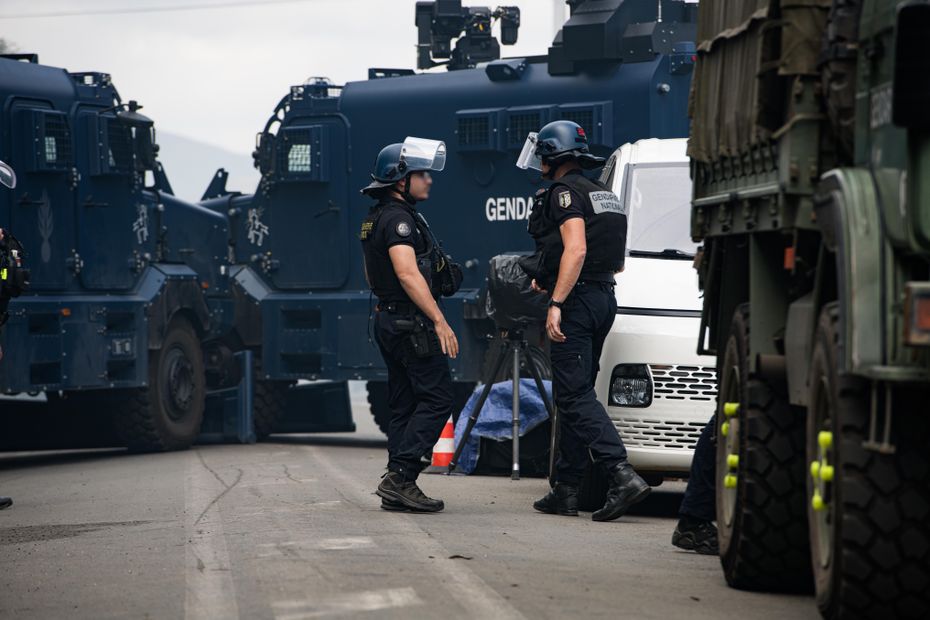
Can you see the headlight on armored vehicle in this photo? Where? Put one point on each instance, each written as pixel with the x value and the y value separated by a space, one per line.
pixel 631 386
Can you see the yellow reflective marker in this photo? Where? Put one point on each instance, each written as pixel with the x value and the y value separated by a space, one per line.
pixel 826 473
pixel 733 461
pixel 725 429
pixel 730 409
pixel 825 439
pixel 815 470
pixel 817 502
pixel 729 481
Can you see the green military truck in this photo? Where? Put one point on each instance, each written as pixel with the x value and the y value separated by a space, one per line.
pixel 810 151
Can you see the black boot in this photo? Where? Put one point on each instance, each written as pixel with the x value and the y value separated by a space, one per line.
pixel 5 502
pixel 562 499
pixel 696 535
pixel 391 505
pixel 626 488
pixel 396 489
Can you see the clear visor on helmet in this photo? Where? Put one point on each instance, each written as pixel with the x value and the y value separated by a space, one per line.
pixel 528 157
pixel 7 176
pixel 423 154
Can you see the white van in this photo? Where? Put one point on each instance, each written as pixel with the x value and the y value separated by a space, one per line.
pixel 657 390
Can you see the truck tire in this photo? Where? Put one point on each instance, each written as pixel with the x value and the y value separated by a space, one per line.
pixel 167 413
pixel 268 403
pixel 870 532
pixel 378 401
pixel 761 513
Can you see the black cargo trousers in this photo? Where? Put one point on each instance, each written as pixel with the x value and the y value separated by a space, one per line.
pixel 419 395
pixel 587 316
pixel 700 500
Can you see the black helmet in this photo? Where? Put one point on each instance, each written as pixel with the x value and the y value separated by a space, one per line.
pixel 396 161
pixel 389 169
pixel 560 140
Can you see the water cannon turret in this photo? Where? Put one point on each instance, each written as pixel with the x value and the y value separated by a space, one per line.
pixel 603 32
pixel 440 21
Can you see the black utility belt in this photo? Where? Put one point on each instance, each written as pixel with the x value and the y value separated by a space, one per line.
pixel 398 307
pixel 598 283
pixel 422 339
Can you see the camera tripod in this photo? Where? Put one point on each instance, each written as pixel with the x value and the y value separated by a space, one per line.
pixel 514 346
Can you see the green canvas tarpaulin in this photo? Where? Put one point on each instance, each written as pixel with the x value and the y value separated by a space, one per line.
pixel 747 49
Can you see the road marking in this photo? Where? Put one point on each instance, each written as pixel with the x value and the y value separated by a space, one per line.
pixel 462 584
pixel 209 592
pixel 345 604
pixel 350 542
pixel 294 548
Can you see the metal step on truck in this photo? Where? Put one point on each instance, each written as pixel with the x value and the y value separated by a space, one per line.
pixel 810 157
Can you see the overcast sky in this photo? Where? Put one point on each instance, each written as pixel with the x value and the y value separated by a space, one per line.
pixel 215 75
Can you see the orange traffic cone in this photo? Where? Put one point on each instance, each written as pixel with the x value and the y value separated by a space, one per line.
pixel 443 450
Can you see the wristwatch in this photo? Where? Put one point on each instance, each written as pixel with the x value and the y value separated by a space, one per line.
pixel 556 304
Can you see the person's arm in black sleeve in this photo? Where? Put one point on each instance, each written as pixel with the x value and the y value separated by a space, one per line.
pixel 399 233
pixel 567 209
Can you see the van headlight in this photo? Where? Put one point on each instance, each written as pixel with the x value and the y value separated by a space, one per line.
pixel 631 386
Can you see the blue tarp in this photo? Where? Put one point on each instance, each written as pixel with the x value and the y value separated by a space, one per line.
pixel 496 418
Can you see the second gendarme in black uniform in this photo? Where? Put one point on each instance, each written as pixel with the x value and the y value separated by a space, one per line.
pixel 408 272
pixel 13 279
pixel 579 227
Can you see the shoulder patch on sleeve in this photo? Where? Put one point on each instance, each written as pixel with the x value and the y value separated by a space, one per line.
pixel 565 199
pixel 403 229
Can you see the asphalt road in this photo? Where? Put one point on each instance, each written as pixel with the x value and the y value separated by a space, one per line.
pixel 291 529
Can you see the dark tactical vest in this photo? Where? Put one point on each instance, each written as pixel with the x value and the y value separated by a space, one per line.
pixel 381 277
pixel 605 233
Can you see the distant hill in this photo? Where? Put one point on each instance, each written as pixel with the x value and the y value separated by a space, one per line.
pixel 190 165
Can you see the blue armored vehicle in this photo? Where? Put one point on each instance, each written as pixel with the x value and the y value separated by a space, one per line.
pixel 128 286
pixel 619 68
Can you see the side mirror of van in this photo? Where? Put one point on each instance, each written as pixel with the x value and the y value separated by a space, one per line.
pixel 7 176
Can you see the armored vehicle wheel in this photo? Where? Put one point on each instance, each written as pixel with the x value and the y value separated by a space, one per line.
pixel 166 414
pixel 378 401
pixel 760 476
pixel 268 404
pixel 869 513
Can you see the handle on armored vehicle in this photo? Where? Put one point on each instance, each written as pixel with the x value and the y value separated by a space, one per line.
pixel 332 208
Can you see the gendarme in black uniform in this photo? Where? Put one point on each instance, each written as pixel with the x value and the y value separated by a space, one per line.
pixel 587 314
pixel 13 279
pixel 419 380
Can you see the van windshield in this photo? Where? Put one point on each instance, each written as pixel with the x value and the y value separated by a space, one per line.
pixel 658 199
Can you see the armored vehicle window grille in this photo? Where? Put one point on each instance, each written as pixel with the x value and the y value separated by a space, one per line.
pixel 298 151
pixel 119 146
pixel 474 131
pixel 520 126
pixel 585 118
pixel 654 432
pixel 298 158
pixel 56 149
pixel 684 383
